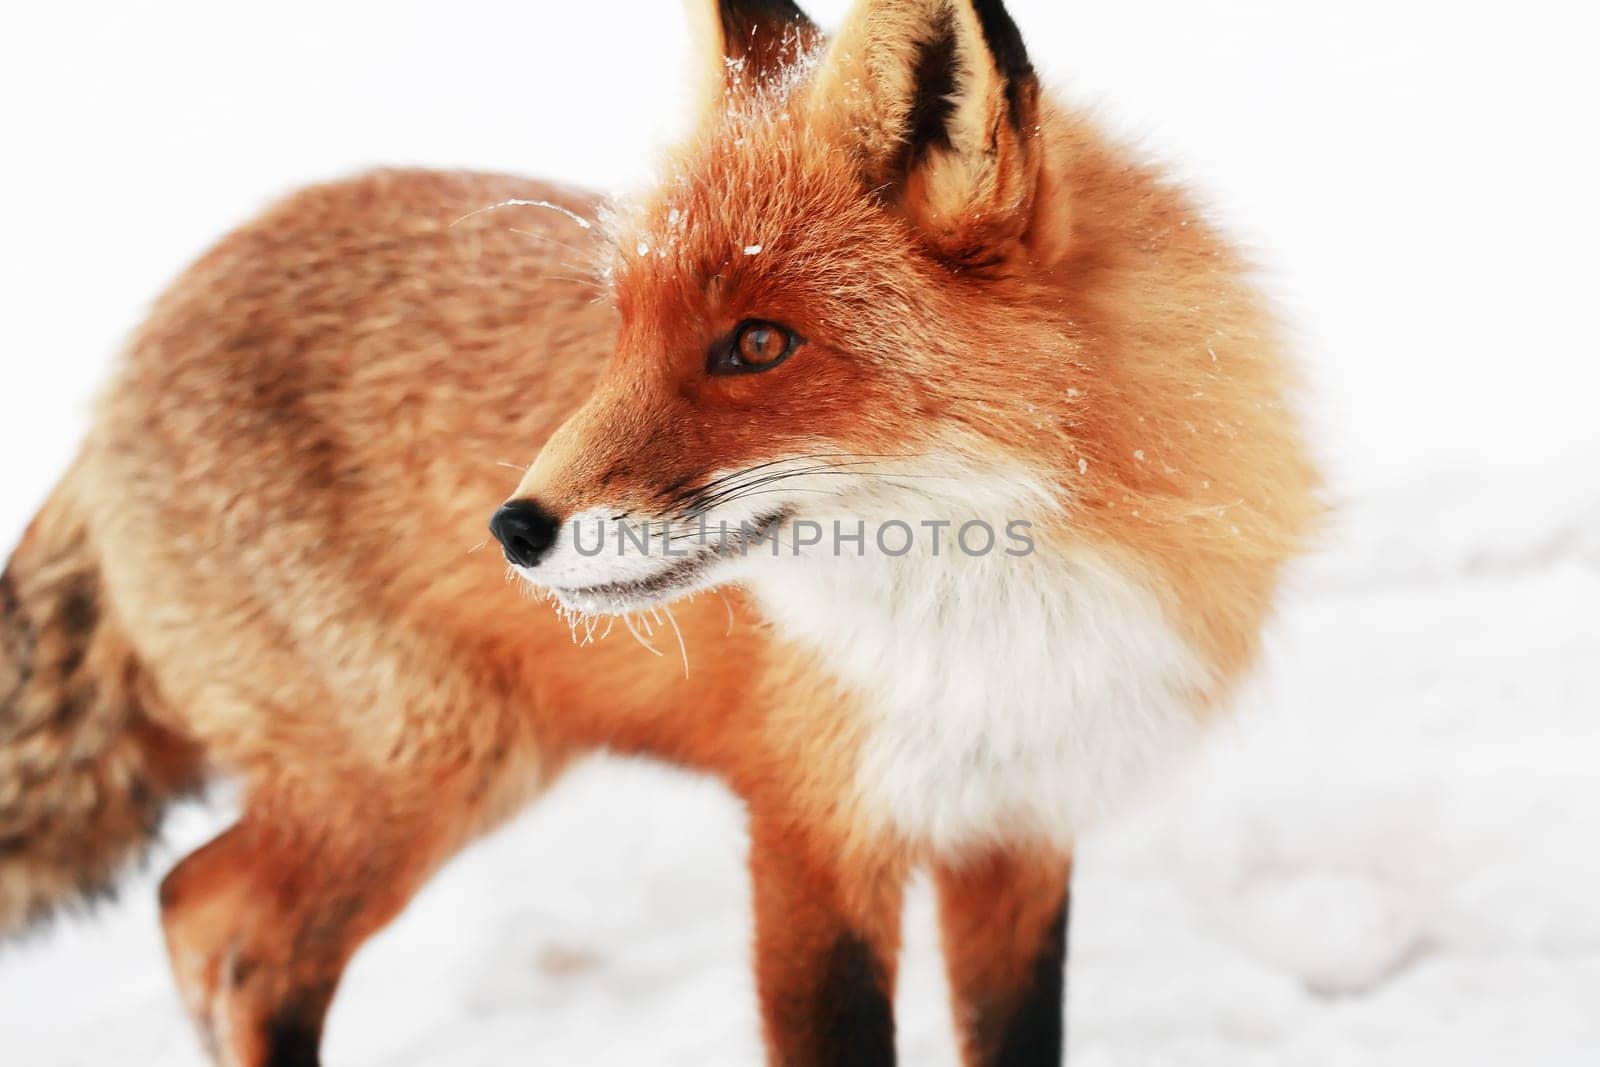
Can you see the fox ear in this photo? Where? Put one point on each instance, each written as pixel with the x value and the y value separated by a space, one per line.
pixel 746 44
pixel 942 107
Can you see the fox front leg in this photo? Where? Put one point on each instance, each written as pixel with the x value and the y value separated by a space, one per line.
pixel 1003 920
pixel 827 942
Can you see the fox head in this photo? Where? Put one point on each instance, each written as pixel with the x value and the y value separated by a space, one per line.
pixel 887 279
pixel 839 303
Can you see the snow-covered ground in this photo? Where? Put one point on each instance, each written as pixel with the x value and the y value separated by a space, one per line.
pixel 1389 860
pixel 1392 857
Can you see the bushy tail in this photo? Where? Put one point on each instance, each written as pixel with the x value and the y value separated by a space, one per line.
pixel 85 775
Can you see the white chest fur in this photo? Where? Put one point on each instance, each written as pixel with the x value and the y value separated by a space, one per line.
pixel 1008 699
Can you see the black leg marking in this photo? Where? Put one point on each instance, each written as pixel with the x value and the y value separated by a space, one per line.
pixel 854 1016
pixel 1036 1034
pixel 294 1032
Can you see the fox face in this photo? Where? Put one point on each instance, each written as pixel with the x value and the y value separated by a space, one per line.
pixel 836 306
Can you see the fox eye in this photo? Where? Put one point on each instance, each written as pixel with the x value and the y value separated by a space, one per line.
pixel 752 347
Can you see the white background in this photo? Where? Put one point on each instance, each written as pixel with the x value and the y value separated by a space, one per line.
pixel 1391 861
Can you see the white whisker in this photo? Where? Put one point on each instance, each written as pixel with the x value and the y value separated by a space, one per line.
pixel 682 649
pixel 627 620
pixel 547 205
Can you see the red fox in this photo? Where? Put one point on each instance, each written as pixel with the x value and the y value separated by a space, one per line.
pixel 889 292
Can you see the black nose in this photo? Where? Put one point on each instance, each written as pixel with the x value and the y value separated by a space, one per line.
pixel 525 530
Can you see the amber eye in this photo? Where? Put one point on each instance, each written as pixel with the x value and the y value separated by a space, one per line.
pixel 752 347
pixel 760 344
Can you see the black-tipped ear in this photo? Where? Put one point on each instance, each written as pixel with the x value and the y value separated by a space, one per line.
pixel 1006 49
pixel 751 43
pixel 941 105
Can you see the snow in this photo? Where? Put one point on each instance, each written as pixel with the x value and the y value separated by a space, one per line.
pixel 1387 858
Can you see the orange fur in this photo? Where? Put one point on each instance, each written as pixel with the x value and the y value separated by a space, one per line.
pixel 286 487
